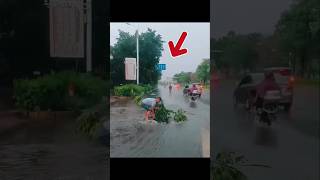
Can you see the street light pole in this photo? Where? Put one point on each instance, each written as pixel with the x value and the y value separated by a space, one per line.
pixel 137 46
pixel 89 36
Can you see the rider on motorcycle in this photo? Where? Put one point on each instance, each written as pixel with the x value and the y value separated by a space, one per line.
pixel 186 90
pixel 268 84
pixel 194 87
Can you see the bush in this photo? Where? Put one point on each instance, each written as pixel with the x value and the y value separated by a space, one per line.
pixel 131 90
pixel 51 91
pixel 138 99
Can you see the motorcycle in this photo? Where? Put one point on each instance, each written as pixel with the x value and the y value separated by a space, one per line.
pixel 194 95
pixel 185 92
pixel 270 106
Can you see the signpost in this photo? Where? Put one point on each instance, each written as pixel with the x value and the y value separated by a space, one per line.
pixel 130 68
pixel 162 67
pixel 66 28
pixel 70 23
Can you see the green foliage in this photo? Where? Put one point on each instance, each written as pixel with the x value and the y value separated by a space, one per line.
pixel 179 116
pixel 203 71
pixel 90 120
pixel 131 90
pixel 235 52
pixel 88 124
pixel 147 87
pixel 163 114
pixel 150 51
pixel 138 99
pixel 183 77
pixel 225 167
pixel 51 91
pixel 299 32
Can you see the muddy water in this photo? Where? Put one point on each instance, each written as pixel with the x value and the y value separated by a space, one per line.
pixel 51 150
pixel 131 136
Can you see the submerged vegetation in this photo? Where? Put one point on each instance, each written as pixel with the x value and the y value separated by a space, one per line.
pixel 163 115
pixel 90 122
pixel 180 116
pixel 226 166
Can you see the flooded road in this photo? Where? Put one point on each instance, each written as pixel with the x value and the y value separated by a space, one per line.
pixel 290 146
pixel 131 136
pixel 51 150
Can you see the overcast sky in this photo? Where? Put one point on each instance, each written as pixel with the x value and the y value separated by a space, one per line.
pixel 197 42
pixel 245 16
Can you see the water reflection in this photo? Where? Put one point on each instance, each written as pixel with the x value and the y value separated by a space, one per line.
pixel 265 136
pixel 132 137
pixel 50 150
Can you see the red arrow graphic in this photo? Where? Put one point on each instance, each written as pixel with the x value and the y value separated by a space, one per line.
pixel 175 50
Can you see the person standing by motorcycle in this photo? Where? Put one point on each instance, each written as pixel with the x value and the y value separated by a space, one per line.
pixel 186 90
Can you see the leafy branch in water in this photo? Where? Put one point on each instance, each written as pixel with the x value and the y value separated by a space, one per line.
pixel 180 116
pixel 90 120
pixel 163 115
pixel 226 166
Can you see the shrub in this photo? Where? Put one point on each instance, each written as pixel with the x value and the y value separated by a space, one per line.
pixel 131 90
pixel 138 99
pixel 51 91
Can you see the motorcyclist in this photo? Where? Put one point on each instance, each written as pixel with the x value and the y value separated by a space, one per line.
pixel 267 84
pixel 186 89
pixel 194 87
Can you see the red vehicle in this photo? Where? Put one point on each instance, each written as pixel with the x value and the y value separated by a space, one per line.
pixel 285 79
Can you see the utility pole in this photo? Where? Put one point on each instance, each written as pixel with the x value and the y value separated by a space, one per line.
pixel 89 36
pixel 137 35
pixel 137 46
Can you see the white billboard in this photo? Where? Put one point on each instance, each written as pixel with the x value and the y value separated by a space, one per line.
pixel 130 68
pixel 66 28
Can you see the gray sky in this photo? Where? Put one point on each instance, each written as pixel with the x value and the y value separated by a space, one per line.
pixel 245 16
pixel 197 42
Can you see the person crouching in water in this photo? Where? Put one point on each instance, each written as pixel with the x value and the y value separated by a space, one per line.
pixel 149 104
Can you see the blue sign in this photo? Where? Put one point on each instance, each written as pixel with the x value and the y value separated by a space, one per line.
pixel 162 67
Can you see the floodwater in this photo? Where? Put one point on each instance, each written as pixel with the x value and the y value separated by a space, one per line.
pixel 290 146
pixel 51 150
pixel 132 136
